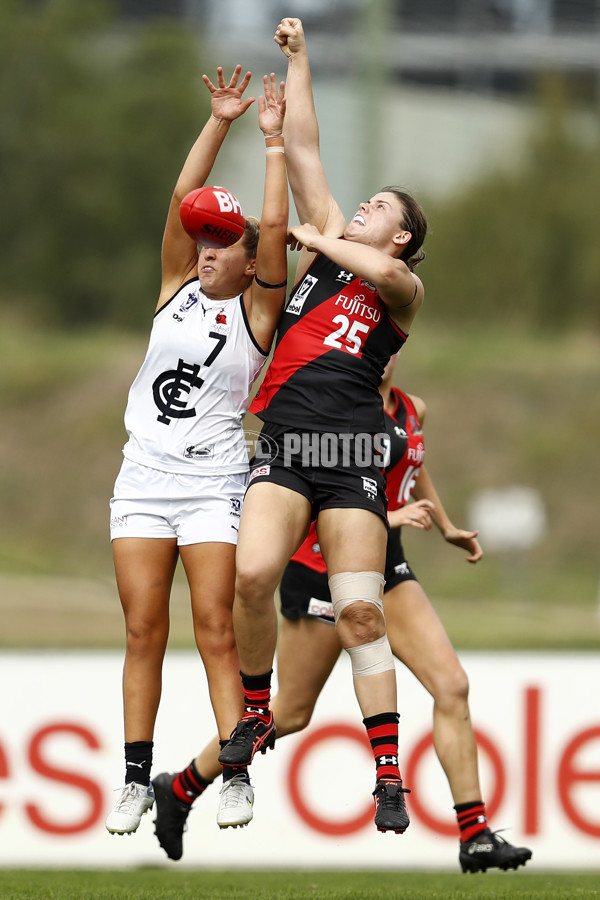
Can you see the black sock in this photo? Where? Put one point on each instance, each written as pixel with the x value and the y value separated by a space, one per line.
pixel 138 762
pixel 229 771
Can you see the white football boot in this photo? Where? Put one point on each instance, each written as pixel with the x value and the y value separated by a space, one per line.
pixel 134 801
pixel 235 805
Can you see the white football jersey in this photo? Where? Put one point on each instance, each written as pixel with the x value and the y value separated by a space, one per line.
pixel 185 408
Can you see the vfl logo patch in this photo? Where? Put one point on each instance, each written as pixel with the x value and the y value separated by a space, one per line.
pixel 235 506
pixel 188 303
pixel 298 300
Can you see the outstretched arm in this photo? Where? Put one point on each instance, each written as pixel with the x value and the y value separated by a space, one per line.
pixel 312 195
pixel 179 252
pixel 467 540
pixel 265 297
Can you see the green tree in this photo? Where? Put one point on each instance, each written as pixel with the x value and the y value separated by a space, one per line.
pixel 95 121
pixel 521 248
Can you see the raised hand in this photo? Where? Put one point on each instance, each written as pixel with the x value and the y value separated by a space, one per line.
pixel 226 99
pixel 271 107
pixel 290 37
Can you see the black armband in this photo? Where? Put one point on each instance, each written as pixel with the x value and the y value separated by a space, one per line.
pixel 269 287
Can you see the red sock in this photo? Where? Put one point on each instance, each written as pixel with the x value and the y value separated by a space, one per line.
pixel 189 784
pixel 257 695
pixel 471 819
pixel 382 731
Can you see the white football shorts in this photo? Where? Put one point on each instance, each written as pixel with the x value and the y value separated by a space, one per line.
pixel 194 509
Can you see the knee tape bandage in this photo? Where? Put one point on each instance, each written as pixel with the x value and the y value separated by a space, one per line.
pixel 371 659
pixel 354 587
pixel 362 587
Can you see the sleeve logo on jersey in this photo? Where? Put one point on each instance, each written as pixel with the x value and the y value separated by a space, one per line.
pixel 298 300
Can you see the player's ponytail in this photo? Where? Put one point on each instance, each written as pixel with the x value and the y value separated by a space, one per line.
pixel 413 221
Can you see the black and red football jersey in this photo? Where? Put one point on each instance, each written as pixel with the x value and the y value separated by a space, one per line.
pixel 333 343
pixel 406 453
pixel 407 450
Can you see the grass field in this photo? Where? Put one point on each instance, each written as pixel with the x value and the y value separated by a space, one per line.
pixel 150 884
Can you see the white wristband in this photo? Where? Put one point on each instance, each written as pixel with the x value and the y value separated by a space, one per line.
pixel 275 149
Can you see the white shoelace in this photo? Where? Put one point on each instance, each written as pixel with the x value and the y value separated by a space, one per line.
pixel 129 797
pixel 233 792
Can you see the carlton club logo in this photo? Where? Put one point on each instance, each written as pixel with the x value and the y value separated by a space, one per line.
pixel 169 387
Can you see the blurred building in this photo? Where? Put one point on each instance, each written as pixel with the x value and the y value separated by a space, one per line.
pixel 496 44
pixel 423 93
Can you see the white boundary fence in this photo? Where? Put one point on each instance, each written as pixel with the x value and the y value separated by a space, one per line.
pixel 536 716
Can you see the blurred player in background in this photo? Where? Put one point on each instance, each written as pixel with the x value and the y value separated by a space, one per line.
pixel 180 490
